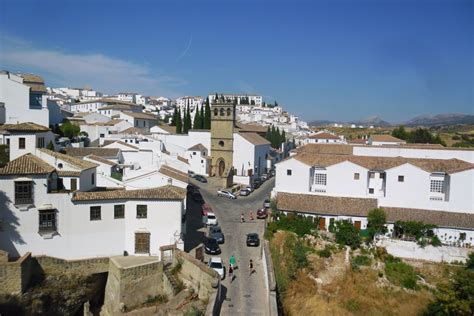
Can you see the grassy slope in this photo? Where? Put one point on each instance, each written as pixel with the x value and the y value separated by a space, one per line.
pixel 350 293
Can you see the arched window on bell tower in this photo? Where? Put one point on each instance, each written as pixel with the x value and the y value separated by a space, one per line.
pixel 222 111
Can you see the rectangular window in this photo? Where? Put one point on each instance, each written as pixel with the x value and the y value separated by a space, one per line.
pixel 320 178
pixel 119 211
pixel 142 211
pixel 95 213
pixel 371 191
pixel 21 143
pixel 194 153
pixel 372 175
pixel 40 142
pixel 73 185
pixel 288 172
pixel 437 186
pixel 92 178
pixel 8 142
pixel 47 221
pixel 36 100
pixel 401 178
pixel 382 175
pixel 142 243
pixel 356 176
pixel 23 192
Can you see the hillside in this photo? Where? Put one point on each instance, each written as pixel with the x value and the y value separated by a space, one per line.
pixel 440 119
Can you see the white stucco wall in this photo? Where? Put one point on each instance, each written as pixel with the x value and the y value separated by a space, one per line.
pixel 462 154
pixel 78 237
pixel 16 97
pixel 297 182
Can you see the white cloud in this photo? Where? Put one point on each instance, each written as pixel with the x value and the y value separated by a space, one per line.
pixel 101 72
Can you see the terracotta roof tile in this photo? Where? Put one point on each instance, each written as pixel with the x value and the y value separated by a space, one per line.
pixel 101 160
pixel 254 138
pixel 161 193
pixel 24 127
pixel 344 206
pixel 68 173
pixel 98 151
pixel 323 135
pixel 26 165
pixel 329 149
pixel 174 173
pixel 182 159
pixel 76 162
pixel 386 138
pixel 384 163
pixel 140 115
pixel 198 147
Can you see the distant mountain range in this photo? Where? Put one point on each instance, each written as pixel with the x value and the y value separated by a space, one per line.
pixel 440 119
pixel 422 120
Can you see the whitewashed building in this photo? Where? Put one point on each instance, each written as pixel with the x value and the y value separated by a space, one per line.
pixel 24 138
pixel 199 159
pixel 382 140
pixel 41 215
pixel 24 99
pixel 331 182
pixel 324 137
pixel 253 99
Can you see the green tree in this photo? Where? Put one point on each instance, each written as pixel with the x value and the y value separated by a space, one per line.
pixel 347 234
pixel 4 156
pixel 268 133
pixel 179 122
pixel 197 120
pixel 187 124
pixel 400 133
pixel 201 118
pixel 376 222
pixel 283 136
pixel 207 114
pixel 456 297
pixel 50 145
pixel 69 130
pixel 174 119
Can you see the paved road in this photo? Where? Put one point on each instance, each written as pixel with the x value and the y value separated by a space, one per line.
pixel 246 295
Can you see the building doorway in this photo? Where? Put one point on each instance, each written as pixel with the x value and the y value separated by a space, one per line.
pixel 221 167
pixel 322 223
pixel 142 242
pixel 357 225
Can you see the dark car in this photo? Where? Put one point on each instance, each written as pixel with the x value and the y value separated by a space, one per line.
pixel 257 183
pixel 216 233
pixel 253 240
pixel 192 188
pixel 197 197
pixel 262 213
pixel 200 178
pixel 212 247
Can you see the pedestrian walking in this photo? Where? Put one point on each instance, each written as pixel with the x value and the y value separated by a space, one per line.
pixel 231 273
pixel 242 219
pixel 251 216
pixel 251 269
pixel 232 262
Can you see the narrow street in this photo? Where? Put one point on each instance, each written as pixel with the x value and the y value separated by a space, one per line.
pixel 246 295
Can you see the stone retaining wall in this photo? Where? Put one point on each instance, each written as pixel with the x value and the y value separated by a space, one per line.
pixel 15 276
pixel 51 265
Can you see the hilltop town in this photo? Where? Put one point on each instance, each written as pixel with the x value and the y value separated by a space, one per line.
pixel 144 201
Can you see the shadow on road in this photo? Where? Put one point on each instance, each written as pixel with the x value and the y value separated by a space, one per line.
pixel 221 297
pixel 195 232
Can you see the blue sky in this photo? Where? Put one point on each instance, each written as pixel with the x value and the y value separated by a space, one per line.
pixel 337 60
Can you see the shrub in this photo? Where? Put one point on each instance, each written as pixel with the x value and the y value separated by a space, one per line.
pixel 347 234
pixel 435 242
pixel 324 253
pixel 298 224
pixel 376 222
pixel 400 273
pixel 358 261
pixel 299 254
pixel 352 305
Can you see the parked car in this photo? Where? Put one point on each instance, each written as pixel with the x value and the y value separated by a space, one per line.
pixel 191 174
pixel 249 188
pixel 266 203
pixel 197 197
pixel 253 240
pixel 257 183
pixel 262 213
pixel 205 209
pixel 212 247
pixel 264 177
pixel 200 178
pixel 272 173
pixel 244 192
pixel 226 194
pixel 216 264
pixel 211 219
pixel 216 233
